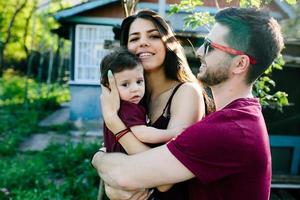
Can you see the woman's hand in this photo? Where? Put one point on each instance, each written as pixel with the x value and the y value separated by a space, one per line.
pixel 110 101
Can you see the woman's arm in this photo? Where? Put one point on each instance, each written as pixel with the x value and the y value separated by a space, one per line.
pixel 184 114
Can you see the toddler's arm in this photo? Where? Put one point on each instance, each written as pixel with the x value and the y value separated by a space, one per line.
pixel 153 135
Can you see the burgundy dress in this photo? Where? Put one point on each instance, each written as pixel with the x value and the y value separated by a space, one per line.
pixel 179 191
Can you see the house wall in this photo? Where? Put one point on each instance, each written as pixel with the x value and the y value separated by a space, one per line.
pixel 113 11
pixel 85 103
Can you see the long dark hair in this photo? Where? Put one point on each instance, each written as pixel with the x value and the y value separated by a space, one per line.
pixel 175 63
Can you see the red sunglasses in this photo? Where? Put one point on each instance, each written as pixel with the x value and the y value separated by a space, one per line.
pixel 209 46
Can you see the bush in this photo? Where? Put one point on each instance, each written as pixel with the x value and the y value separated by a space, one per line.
pixel 17 89
pixel 59 172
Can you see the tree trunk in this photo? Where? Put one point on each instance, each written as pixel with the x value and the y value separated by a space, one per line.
pixel 50 67
pixel 60 57
pixel 1 58
pixel 217 4
pixel 129 6
pixel 27 28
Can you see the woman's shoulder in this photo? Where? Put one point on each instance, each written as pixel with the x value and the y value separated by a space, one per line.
pixel 188 92
pixel 189 88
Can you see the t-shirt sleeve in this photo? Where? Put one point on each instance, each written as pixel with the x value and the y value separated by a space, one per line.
pixel 132 114
pixel 210 149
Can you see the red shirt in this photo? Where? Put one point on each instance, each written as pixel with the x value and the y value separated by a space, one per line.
pixel 228 152
pixel 132 115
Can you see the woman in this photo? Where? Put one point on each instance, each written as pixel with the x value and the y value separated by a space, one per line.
pixel 173 98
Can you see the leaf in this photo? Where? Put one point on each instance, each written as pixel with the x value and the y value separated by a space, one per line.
pixel 250 3
pixel 291 1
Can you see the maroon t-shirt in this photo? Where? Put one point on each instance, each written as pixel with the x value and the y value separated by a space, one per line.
pixel 228 152
pixel 132 115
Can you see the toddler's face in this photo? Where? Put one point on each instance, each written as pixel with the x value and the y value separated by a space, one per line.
pixel 131 84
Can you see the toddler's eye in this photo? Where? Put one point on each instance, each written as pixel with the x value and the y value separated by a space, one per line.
pixel 125 84
pixel 140 82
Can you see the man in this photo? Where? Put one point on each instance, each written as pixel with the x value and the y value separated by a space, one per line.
pixel 227 154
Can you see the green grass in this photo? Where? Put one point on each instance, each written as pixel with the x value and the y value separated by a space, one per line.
pixel 59 172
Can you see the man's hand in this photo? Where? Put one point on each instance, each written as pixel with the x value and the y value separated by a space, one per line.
pixel 117 194
pixel 95 162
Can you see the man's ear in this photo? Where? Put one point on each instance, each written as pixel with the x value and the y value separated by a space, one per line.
pixel 241 64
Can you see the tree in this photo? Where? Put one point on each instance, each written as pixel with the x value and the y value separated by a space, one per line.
pixel 18 8
pixel 262 87
pixel 129 6
pixel 291 27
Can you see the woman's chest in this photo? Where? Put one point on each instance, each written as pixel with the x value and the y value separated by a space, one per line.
pixel 156 108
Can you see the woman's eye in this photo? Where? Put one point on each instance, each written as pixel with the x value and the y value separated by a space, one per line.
pixel 133 39
pixel 155 36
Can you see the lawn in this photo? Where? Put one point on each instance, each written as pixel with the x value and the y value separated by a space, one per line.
pixel 61 171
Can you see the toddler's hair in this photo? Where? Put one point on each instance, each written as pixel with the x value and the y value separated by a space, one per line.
pixel 117 61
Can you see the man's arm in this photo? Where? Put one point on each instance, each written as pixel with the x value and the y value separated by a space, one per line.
pixel 148 169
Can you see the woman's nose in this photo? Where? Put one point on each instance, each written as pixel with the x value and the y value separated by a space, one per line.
pixel 144 41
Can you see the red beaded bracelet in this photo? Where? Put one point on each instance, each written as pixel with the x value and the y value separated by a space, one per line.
pixel 122 133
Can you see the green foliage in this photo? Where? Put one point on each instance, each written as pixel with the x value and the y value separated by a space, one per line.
pixel 17 122
pixel 263 86
pixel 62 171
pixel 250 3
pixel 12 91
pixel 291 1
pixel 39 36
pixel 195 19
pixel 291 27
pixel 59 172
pixel 198 19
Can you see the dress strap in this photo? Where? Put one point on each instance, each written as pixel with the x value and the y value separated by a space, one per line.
pixel 168 105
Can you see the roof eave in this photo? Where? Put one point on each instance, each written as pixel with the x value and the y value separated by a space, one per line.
pixel 81 8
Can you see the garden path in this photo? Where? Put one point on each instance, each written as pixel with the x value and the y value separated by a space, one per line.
pixel 85 131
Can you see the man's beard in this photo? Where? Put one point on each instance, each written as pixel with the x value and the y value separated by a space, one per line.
pixel 212 78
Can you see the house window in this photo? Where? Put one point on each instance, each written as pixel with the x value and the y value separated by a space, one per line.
pixel 89 51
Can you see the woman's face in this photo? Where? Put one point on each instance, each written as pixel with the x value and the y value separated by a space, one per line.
pixel 145 41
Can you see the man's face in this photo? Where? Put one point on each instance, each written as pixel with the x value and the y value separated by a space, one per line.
pixel 215 64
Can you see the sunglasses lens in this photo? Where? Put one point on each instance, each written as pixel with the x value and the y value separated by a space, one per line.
pixel 207 47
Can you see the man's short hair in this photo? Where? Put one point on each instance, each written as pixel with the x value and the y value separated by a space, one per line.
pixel 254 32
